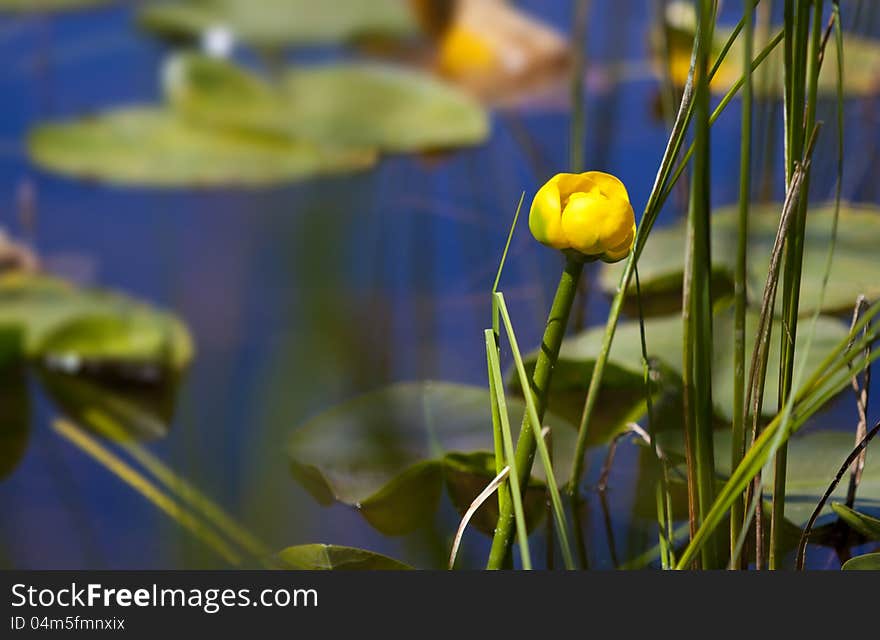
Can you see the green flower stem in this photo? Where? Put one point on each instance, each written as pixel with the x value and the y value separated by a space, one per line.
pixel 526 443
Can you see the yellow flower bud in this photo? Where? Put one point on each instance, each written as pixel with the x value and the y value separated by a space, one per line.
pixel 587 212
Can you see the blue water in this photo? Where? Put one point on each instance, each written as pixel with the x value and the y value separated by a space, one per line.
pixel 295 295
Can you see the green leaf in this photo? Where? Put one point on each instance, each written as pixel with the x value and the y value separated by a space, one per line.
pixel 279 23
pixel 867 562
pixel 101 355
pixel 38 6
pixel 387 452
pixel 852 273
pixel 864 524
pixel 348 104
pixel 622 397
pixel 813 460
pixel 154 147
pixel 316 557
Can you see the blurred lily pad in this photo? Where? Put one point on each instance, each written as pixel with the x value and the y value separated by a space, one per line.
pixel 154 147
pixel 813 460
pixel 861 59
pixel 864 524
pixel 37 6
pixel 347 104
pixel 101 356
pixel 866 562
pixel 313 557
pixel 387 452
pixel 623 392
pixel 853 272
pixel 279 23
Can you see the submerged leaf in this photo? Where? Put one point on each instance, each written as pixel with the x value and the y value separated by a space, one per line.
pixel 387 452
pixel 154 147
pixel 311 557
pixel 279 23
pixel 350 104
pixel 856 260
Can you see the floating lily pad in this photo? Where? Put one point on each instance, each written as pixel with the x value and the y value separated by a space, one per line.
pixel 853 272
pixel 349 104
pixel 623 390
pixel 864 524
pixel 279 23
pixel 386 452
pixel 314 557
pixel 813 461
pixel 867 562
pixel 101 356
pixel 38 6
pixel 154 147
pixel 861 59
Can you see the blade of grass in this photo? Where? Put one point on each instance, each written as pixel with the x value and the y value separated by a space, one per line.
pixel 147 489
pixel 534 420
pixel 738 435
pixel 181 488
pixel 472 509
pixel 496 386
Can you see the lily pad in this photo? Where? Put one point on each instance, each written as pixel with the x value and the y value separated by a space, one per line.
pixel 316 557
pixel 861 59
pixel 38 6
pixel 347 104
pixel 150 146
pixel 101 356
pixel 387 452
pixel 813 461
pixel 864 524
pixel 279 23
pixel 623 390
pixel 866 562
pixel 853 272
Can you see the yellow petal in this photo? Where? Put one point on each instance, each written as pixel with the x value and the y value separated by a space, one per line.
pixel 581 222
pixel 545 216
pixel 615 222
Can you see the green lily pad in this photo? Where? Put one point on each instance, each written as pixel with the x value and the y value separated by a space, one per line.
pixel 149 146
pixel 853 272
pixel 101 356
pixel 38 6
pixel 864 524
pixel 813 461
pixel 279 23
pixel 861 60
pixel 622 396
pixel 867 562
pixel 331 557
pixel 347 104
pixel 387 452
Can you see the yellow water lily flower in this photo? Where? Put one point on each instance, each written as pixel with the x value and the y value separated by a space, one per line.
pixel 589 213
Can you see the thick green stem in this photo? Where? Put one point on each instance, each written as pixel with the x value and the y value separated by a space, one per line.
pixel 543 373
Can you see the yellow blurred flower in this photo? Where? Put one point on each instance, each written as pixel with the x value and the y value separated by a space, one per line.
pixel 464 52
pixel 585 212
